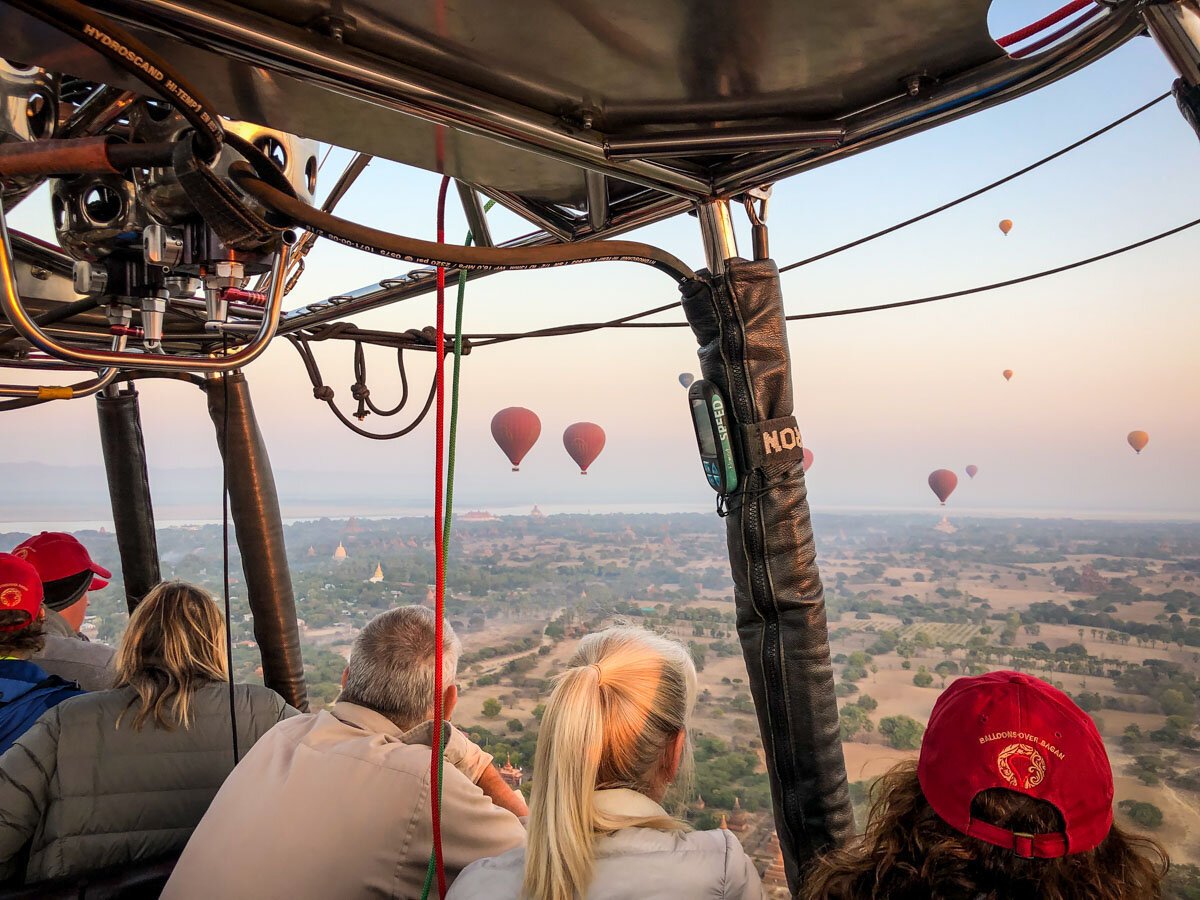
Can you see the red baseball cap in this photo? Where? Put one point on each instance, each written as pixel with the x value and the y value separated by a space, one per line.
pixel 20 589
pixel 1011 730
pixel 66 568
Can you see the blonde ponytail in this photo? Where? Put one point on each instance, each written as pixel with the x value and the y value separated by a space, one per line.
pixel 627 694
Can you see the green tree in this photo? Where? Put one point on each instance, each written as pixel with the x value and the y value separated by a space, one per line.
pixel 902 732
pixel 922 678
pixel 867 702
pixel 1146 815
pixel 491 708
pixel 852 720
pixel 539 711
pixel 514 726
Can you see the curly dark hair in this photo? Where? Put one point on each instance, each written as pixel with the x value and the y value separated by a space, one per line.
pixel 29 639
pixel 907 852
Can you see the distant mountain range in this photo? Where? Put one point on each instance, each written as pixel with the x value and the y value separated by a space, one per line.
pixel 43 493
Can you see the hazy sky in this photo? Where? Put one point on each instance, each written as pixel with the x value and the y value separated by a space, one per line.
pixel 882 399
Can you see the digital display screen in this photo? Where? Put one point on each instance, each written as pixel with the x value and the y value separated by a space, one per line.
pixel 708 441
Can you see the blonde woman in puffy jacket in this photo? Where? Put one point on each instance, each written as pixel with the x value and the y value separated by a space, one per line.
pixel 613 739
pixel 124 775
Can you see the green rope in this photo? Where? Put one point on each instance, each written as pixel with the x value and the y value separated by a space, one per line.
pixel 431 870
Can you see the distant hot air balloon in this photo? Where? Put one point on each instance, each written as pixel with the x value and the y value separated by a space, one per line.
pixel 1006 226
pixel 808 459
pixel 516 429
pixel 943 482
pixel 1138 440
pixel 972 470
pixel 584 441
pixel 686 379
pixel 1007 373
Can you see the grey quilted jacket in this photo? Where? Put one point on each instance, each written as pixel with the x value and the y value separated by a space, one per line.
pixel 79 793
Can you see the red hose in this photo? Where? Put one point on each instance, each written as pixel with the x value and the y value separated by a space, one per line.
pixel 1053 19
pixel 439 549
pixel 1085 16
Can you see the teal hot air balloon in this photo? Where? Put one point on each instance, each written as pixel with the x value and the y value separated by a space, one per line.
pixel 686 379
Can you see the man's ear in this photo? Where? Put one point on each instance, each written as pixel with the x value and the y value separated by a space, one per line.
pixel 449 701
pixel 345 675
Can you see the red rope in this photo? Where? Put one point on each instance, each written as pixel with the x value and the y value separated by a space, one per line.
pixel 1053 19
pixel 438 547
pixel 1086 16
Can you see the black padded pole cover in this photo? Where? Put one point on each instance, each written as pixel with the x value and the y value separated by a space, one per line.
pixel 124 452
pixel 738 320
pixel 254 505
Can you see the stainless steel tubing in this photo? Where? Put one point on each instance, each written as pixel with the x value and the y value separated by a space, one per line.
pixel 19 318
pixel 1175 27
pixel 712 141
pixel 86 388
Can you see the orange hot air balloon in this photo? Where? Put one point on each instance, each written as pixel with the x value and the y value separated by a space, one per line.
pixel 808 459
pixel 943 482
pixel 972 470
pixel 516 430
pixel 584 441
pixel 1006 226
pixel 1007 373
pixel 1138 440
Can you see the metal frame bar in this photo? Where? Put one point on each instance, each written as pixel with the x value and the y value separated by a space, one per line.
pixel 899 117
pixel 481 233
pixel 267 44
pixel 997 82
pixel 1175 27
pixel 538 214
pixel 597 200
pixel 246 37
pixel 716 230
pixel 713 141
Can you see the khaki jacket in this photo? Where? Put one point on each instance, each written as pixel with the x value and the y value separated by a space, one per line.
pixel 642 863
pixel 336 805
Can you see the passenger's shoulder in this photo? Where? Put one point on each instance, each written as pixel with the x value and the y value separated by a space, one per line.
pixel 95 702
pixel 718 840
pixel 259 695
pixel 495 877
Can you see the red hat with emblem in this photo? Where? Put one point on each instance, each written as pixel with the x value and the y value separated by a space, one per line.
pixel 66 567
pixel 1011 730
pixel 20 589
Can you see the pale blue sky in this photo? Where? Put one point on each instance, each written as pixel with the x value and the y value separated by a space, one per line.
pixel 881 399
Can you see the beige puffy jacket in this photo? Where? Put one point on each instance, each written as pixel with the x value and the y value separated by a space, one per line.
pixel 642 863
